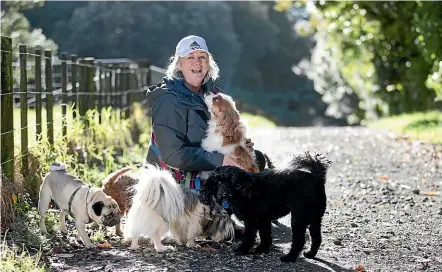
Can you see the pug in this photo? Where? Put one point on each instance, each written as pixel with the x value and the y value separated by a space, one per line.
pixel 76 198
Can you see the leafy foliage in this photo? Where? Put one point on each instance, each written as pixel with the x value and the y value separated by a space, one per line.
pixel 269 48
pixel 15 25
pixel 423 126
pixel 148 29
pixel 382 58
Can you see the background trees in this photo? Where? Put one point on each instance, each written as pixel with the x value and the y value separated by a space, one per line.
pixel 381 58
pixel 302 63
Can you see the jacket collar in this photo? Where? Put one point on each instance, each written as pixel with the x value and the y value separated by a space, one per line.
pixel 178 84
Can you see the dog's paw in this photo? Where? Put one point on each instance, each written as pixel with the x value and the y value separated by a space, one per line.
pixel 64 230
pixel 132 247
pixel 164 248
pixel 288 258
pixel 192 244
pixel 242 251
pixel 261 249
pixel 309 254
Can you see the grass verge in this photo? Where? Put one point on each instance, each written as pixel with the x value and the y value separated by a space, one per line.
pixel 15 259
pixel 257 120
pixel 91 150
pixel 422 126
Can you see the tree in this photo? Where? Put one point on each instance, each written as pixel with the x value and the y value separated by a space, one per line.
pixel 385 56
pixel 15 25
pixel 149 30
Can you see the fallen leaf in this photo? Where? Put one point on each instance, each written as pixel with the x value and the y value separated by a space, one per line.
pixel 57 250
pixel 384 178
pixel 360 268
pixel 14 198
pixel 105 245
pixel 431 193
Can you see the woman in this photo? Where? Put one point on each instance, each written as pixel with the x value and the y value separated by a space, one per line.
pixel 180 115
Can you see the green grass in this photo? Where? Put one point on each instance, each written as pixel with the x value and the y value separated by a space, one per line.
pixel 422 126
pixel 257 120
pixel 14 259
pixel 57 124
pixel 91 152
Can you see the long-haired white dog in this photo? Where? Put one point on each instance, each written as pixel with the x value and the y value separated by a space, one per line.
pixel 160 204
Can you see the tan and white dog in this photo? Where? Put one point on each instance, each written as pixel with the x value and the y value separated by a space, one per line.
pixel 76 198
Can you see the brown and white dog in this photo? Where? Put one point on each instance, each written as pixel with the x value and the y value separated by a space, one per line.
pixel 119 185
pixel 226 132
pixel 83 202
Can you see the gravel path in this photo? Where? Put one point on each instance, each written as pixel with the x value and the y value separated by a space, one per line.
pixel 381 215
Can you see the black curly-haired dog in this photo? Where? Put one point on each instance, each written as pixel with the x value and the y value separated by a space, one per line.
pixel 259 198
pixel 262 160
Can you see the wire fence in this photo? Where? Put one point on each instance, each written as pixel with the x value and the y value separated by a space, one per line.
pixel 39 80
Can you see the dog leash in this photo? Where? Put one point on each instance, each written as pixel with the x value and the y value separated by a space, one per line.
pixel 190 180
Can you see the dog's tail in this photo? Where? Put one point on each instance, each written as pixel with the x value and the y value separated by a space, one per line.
pixel 112 177
pixel 317 164
pixel 157 190
pixel 57 166
pixel 269 162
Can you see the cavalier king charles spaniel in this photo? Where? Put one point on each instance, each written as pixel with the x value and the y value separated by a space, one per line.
pixel 226 132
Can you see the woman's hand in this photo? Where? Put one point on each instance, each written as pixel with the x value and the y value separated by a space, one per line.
pixel 249 143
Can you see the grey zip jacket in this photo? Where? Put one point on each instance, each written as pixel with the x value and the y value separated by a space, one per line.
pixel 179 122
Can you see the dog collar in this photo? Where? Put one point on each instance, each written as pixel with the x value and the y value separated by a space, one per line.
pixel 225 204
pixel 87 195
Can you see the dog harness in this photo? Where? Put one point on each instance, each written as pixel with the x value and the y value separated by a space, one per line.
pixel 72 198
pixel 187 179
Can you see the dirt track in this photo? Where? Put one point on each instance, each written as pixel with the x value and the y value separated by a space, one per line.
pixel 381 213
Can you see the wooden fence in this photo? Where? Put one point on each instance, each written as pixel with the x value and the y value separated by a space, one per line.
pixel 84 83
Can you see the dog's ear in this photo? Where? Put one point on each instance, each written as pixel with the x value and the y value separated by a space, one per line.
pixel 207 190
pixel 115 205
pixel 98 208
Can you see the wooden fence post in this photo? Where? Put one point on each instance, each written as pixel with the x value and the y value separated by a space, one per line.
pixel 38 93
pixel 7 112
pixel 112 83
pixel 104 83
pixel 23 109
pixel 118 88
pixel 100 90
pixel 74 97
pixel 82 89
pixel 126 76
pixel 146 76
pixel 64 94
pixel 49 97
pixel 90 84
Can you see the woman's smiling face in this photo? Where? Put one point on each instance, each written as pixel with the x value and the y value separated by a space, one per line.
pixel 194 67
